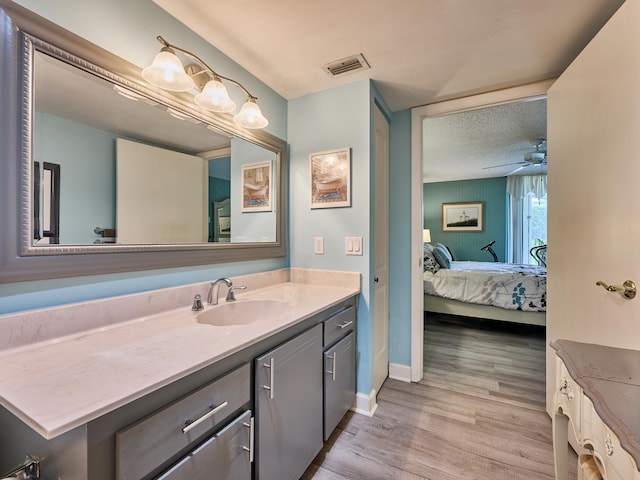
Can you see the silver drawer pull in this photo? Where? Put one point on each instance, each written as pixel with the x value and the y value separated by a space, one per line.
pixel 195 423
pixel 250 447
pixel 345 325
pixel 271 366
pixel 333 365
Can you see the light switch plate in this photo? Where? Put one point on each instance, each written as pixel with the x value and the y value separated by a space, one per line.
pixel 353 246
pixel 318 245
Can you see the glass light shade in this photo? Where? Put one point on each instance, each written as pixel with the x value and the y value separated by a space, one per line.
pixel 166 72
pixel 426 235
pixel 215 97
pixel 250 115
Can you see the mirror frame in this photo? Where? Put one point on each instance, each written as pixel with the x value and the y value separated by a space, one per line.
pixel 22 32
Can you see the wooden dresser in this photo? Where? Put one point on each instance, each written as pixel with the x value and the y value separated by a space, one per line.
pixel 598 395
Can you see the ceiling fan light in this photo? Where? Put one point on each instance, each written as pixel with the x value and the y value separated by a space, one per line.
pixel 166 72
pixel 215 97
pixel 250 115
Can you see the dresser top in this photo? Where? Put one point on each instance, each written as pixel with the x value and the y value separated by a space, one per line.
pixel 610 377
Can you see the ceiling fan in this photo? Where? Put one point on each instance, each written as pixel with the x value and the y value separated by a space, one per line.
pixel 534 158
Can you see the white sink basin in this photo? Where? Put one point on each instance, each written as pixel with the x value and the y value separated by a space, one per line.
pixel 244 312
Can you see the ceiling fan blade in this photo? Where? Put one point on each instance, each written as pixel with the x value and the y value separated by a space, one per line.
pixel 503 165
pixel 516 170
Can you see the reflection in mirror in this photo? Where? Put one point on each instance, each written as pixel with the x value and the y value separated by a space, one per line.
pixel 36 118
pixel 143 173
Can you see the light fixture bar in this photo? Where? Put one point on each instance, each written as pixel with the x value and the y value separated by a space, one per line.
pixel 167 71
pixel 210 70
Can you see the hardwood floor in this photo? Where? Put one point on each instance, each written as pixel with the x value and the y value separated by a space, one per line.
pixel 479 413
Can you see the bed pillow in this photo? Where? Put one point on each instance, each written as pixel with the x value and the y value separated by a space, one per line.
pixel 430 262
pixel 447 251
pixel 442 256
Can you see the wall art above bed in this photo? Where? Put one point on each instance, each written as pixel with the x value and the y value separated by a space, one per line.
pixel 463 217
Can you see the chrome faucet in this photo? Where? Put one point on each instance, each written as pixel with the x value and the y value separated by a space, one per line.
pixel 212 298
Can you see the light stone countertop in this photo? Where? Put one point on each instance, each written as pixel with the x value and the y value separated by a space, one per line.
pixel 59 384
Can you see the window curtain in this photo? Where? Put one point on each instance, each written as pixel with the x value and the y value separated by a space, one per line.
pixel 518 187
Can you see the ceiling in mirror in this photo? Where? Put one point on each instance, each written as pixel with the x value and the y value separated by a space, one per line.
pixel 69 92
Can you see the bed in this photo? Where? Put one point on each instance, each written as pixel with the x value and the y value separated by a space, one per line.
pixel 488 290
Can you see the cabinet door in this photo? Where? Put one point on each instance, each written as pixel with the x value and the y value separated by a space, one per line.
pixel 225 456
pixel 339 381
pixel 289 407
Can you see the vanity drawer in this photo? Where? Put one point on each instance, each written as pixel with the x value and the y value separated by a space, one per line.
pixel 339 325
pixel 618 464
pixel 225 456
pixel 569 396
pixel 151 441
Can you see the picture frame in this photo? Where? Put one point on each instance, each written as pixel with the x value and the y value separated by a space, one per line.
pixel 256 187
pixel 463 217
pixel 330 178
pixel 224 226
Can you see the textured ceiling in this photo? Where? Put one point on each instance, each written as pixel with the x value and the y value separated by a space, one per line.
pixel 474 144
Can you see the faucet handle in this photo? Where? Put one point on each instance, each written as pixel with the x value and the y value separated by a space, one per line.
pixel 231 297
pixel 197 303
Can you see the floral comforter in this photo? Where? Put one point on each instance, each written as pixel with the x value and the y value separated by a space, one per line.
pixel 504 285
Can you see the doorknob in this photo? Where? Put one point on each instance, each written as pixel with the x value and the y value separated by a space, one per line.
pixel 376 279
pixel 627 289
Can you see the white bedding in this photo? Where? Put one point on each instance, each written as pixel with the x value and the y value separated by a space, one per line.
pixel 504 285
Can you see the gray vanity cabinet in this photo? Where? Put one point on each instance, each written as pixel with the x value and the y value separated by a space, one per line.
pixel 225 456
pixel 288 404
pixel 339 381
pixel 339 366
pixel 210 424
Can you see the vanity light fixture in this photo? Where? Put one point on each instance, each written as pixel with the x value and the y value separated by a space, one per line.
pixel 167 72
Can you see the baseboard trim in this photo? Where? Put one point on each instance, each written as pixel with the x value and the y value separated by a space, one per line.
pixel 400 372
pixel 366 404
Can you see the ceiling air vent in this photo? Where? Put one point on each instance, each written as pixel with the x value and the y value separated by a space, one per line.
pixel 346 65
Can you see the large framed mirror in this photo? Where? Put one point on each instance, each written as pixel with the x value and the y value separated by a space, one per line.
pixel 142 172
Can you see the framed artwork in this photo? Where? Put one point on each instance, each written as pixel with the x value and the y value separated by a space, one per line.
pixel 463 217
pixel 256 187
pixel 224 226
pixel 330 178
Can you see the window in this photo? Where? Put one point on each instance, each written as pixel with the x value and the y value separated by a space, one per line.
pixel 534 224
pixel 528 216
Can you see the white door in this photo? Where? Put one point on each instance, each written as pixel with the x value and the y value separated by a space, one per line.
pixel 594 170
pixel 381 251
pixel 168 190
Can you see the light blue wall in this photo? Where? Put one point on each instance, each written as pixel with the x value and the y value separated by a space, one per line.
pixel 329 120
pixel 87 174
pixel 400 239
pixel 128 29
pixel 466 245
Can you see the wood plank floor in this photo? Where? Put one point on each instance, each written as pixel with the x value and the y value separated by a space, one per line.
pixel 479 413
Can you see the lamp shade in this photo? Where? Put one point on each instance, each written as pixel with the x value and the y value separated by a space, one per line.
pixel 166 72
pixel 250 115
pixel 426 235
pixel 215 97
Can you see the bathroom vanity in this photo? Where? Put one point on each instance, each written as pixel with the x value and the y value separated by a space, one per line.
pixel 180 394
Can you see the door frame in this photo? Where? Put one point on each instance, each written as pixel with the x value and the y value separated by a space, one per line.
pixel 531 91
